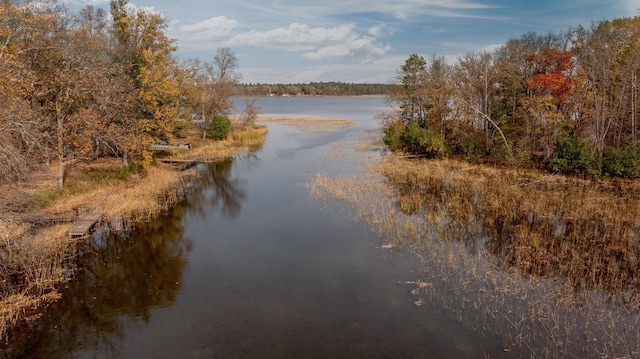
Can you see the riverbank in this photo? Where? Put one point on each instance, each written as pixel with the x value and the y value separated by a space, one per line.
pixel 35 250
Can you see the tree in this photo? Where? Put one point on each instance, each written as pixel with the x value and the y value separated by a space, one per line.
pixel 409 93
pixel 550 88
pixel 515 112
pixel 476 79
pixel 437 94
pixel 212 86
pixel 146 53
pixel 21 124
pixel 250 112
pixel 599 56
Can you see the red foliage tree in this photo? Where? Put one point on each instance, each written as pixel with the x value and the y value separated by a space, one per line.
pixel 554 74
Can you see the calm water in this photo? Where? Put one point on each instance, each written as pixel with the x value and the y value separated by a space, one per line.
pixel 252 267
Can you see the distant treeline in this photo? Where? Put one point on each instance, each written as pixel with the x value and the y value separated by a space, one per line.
pixel 315 89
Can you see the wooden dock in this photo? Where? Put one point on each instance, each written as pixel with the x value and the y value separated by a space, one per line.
pixel 84 224
pixel 185 164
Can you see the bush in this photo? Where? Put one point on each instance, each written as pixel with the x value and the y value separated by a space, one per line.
pixel 572 157
pixel 393 132
pixel 421 141
pixel 219 127
pixel 622 163
pixel 470 146
pixel 178 127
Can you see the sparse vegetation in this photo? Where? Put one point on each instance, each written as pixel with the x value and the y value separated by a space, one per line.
pixel 549 263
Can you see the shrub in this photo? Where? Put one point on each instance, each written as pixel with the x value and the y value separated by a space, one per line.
pixel 622 163
pixel 572 156
pixel 470 146
pixel 178 127
pixel 393 132
pixel 421 141
pixel 219 127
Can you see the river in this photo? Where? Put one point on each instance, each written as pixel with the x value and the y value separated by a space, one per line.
pixel 251 266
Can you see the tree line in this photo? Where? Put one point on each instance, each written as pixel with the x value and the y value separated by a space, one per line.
pixel 315 89
pixel 566 102
pixel 83 85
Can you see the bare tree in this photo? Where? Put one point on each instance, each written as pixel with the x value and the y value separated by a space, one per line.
pixel 250 112
pixel 212 85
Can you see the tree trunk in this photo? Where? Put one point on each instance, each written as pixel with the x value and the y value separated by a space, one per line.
pixel 61 164
pixel 125 157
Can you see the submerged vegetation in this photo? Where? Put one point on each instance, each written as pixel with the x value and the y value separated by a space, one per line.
pixel 549 264
pixel 541 250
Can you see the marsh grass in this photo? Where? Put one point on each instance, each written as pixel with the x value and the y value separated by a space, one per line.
pixel 547 264
pixel 309 124
pixel 242 139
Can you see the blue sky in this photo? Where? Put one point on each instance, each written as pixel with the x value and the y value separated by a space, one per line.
pixel 291 41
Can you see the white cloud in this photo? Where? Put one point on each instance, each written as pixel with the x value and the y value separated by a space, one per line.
pixel 401 9
pixel 296 37
pixel 318 43
pixel 209 29
pixel 354 47
pixel 377 31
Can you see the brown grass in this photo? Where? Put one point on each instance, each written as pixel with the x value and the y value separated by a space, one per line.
pixel 34 259
pixel 548 263
pixel 309 124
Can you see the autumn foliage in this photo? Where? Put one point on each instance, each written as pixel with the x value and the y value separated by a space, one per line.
pixel 79 86
pixel 553 77
pixel 567 103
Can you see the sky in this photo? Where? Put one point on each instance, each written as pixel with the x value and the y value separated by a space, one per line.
pixel 359 41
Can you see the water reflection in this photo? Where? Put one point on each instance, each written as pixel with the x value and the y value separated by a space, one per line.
pixel 216 188
pixel 120 280
pixel 118 283
pixel 561 262
pixel 591 253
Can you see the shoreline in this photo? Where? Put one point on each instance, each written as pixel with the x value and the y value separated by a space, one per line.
pixel 40 250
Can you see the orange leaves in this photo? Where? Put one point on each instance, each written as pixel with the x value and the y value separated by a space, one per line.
pixel 554 70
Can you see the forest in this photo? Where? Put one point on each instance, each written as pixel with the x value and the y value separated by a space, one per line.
pixel 563 102
pixel 81 85
pixel 315 89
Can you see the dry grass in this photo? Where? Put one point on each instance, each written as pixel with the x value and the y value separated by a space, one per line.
pixel 240 140
pixel 35 259
pixel 548 263
pixel 309 124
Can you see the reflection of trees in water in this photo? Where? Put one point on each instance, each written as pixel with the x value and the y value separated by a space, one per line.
pixel 120 279
pixel 556 285
pixel 118 282
pixel 550 268
pixel 589 252
pixel 216 188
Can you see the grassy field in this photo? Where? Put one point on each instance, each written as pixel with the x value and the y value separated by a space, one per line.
pixel 34 252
